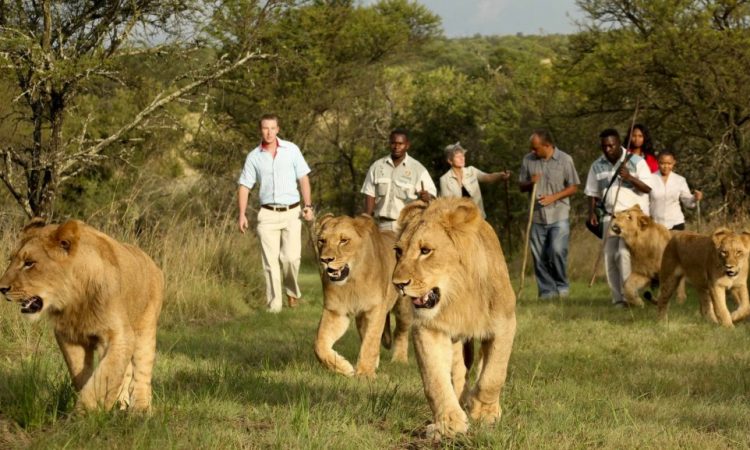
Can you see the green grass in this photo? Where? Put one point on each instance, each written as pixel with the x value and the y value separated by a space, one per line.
pixel 583 374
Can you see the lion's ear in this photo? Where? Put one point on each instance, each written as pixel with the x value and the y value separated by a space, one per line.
pixel 636 207
pixel 320 223
pixel 364 222
pixel 33 226
pixel 719 235
pixel 67 236
pixel 410 212
pixel 464 214
pixel 644 221
pixel 745 238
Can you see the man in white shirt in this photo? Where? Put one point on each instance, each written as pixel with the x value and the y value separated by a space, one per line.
pixel 394 181
pixel 629 188
pixel 278 166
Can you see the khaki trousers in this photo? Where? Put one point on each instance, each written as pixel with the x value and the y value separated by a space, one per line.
pixel 616 264
pixel 280 238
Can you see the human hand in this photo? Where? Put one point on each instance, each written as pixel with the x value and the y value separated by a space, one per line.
pixel 242 223
pixel 698 195
pixel 425 196
pixel 624 174
pixel 545 200
pixel 536 177
pixel 593 220
pixel 308 214
pixel 504 175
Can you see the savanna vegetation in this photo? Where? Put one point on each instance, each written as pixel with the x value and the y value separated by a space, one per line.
pixel 136 117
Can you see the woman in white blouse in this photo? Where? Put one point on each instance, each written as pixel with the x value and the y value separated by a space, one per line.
pixel 667 191
pixel 461 181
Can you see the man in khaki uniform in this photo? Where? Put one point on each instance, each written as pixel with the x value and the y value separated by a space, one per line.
pixel 394 181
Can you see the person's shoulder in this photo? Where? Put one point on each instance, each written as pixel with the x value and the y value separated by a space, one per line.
pixel 252 154
pixel 563 156
pixel 446 175
pixel 289 144
pixel 529 156
pixel 412 161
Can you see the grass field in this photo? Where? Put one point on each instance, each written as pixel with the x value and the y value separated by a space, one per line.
pixel 583 374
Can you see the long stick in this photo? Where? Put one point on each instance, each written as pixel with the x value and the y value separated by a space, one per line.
pixel 526 244
pixel 614 205
pixel 698 213
pixel 508 218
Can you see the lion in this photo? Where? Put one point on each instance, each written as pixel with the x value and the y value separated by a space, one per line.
pixel 712 264
pixel 102 296
pixel 646 241
pixel 450 264
pixel 357 261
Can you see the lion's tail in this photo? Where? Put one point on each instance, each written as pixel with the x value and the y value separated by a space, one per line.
pixel 387 339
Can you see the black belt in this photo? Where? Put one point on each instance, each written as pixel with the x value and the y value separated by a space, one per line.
pixel 386 219
pixel 280 208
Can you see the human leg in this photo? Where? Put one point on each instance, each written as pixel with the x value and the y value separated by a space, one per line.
pixel 611 267
pixel 538 241
pixel 290 253
pixel 269 234
pixel 559 234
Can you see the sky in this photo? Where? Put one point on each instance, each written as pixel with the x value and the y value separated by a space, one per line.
pixel 469 17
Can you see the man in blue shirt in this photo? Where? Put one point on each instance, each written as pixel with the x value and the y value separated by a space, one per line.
pixel 278 166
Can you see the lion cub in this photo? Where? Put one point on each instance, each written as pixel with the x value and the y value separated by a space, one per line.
pixel 357 261
pixel 450 264
pixel 101 295
pixel 712 264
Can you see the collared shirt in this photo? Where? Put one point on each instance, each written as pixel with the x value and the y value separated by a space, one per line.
pixel 558 173
pixel 394 187
pixel 600 174
pixel 450 187
pixel 666 196
pixel 277 175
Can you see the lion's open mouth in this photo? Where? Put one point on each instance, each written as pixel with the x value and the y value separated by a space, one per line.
pixel 731 272
pixel 428 301
pixel 339 274
pixel 32 305
pixel 616 229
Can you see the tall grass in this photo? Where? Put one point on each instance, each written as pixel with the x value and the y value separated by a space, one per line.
pixel 230 375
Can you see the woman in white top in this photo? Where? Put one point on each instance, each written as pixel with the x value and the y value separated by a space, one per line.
pixel 461 181
pixel 667 191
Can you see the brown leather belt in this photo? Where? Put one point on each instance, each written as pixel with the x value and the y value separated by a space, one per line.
pixel 280 208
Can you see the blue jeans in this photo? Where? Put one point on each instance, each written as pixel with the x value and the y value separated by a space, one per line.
pixel 549 246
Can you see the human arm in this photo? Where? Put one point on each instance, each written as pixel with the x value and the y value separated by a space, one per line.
pixel 242 194
pixel 686 198
pixel 493 177
pixel 545 200
pixel 637 179
pixel 369 205
pixel 426 188
pixel 304 187
pixel 593 220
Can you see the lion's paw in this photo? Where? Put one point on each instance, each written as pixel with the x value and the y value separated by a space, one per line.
pixel 368 374
pixel 448 425
pixel 485 412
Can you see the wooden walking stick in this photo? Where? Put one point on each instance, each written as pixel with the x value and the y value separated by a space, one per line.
pixel 526 243
pixel 698 213
pixel 617 194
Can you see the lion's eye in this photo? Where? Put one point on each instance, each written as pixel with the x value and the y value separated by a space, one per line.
pixel 28 264
pixel 723 253
pixel 398 252
pixel 425 250
pixel 344 241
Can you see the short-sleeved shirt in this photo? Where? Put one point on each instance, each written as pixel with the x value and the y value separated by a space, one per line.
pixel 600 174
pixel 277 176
pixel 450 187
pixel 558 173
pixel 665 199
pixel 395 187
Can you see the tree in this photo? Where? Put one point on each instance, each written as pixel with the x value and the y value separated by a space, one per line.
pixel 56 50
pixel 686 61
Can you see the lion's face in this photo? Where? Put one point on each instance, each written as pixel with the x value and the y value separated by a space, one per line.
pixel 627 223
pixel 34 277
pixel 339 243
pixel 428 262
pixel 732 250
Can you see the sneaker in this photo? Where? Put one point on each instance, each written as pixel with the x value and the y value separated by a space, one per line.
pixel 293 302
pixel 621 305
pixel 563 294
pixel 548 296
